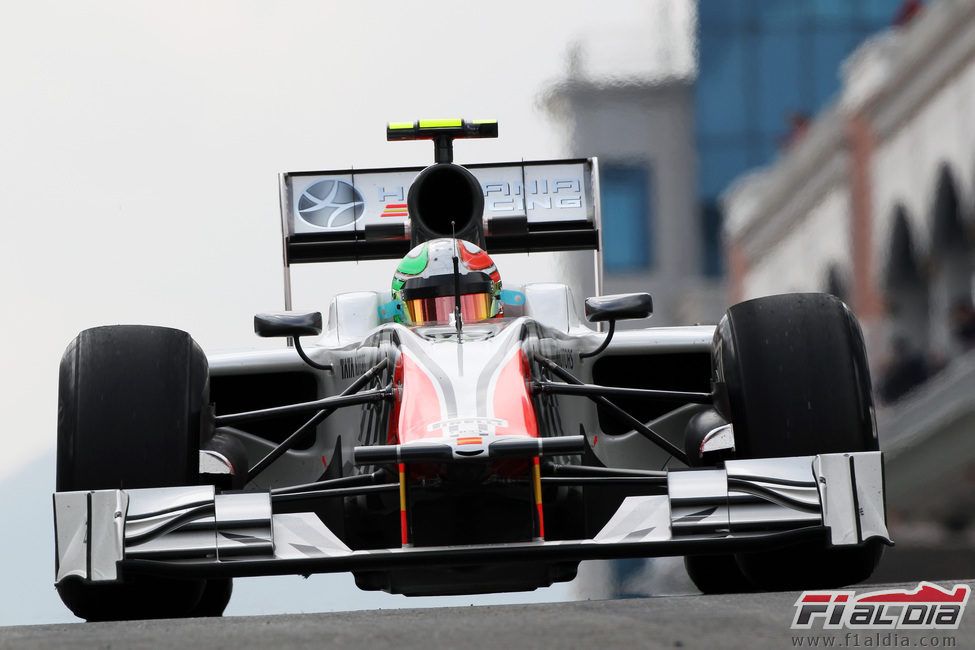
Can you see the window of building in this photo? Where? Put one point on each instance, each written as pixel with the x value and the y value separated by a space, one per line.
pixel 779 81
pixel 721 103
pixel 625 197
pixel 713 253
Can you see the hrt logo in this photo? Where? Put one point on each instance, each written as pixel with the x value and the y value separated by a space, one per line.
pixel 926 607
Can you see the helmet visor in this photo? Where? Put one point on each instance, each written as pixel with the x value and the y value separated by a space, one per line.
pixel 440 309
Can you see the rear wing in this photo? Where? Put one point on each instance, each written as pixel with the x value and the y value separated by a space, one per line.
pixel 529 206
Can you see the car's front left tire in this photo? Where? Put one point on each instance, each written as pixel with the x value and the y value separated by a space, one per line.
pixel 791 375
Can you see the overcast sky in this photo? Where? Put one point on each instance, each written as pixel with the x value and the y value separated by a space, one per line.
pixel 141 144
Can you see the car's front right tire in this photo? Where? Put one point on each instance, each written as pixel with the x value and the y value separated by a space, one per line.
pixel 133 407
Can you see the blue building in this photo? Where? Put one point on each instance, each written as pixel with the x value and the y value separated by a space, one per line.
pixel 764 66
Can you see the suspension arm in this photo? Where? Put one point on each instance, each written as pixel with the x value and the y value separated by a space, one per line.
pixel 620 414
pixel 305 407
pixel 616 391
pixel 295 437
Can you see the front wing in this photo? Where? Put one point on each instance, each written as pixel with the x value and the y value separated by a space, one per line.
pixel 747 505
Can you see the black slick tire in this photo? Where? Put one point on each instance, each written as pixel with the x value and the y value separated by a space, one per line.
pixel 791 375
pixel 132 412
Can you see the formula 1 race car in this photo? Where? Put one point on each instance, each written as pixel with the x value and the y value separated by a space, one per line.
pixel 453 436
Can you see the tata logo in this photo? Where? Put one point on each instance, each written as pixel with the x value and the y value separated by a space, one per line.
pixel 331 203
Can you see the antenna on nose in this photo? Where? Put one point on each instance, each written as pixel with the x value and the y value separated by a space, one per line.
pixel 458 316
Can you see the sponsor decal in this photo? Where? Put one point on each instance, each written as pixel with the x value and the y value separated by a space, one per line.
pixel 559 193
pixel 501 196
pixel 926 607
pixel 353 366
pixel 395 210
pixel 466 426
pixel 331 203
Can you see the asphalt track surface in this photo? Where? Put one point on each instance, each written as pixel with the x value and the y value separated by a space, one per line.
pixel 729 621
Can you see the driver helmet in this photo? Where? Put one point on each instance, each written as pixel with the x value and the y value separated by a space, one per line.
pixel 424 283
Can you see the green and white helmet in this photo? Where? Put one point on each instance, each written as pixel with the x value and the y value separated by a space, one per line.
pixel 424 283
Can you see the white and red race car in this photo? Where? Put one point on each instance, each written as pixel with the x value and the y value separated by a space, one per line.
pixel 448 435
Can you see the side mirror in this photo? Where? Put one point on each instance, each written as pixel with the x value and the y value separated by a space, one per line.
pixel 619 307
pixel 613 308
pixel 288 323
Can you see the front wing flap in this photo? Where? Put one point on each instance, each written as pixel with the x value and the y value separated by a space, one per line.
pixel 747 505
